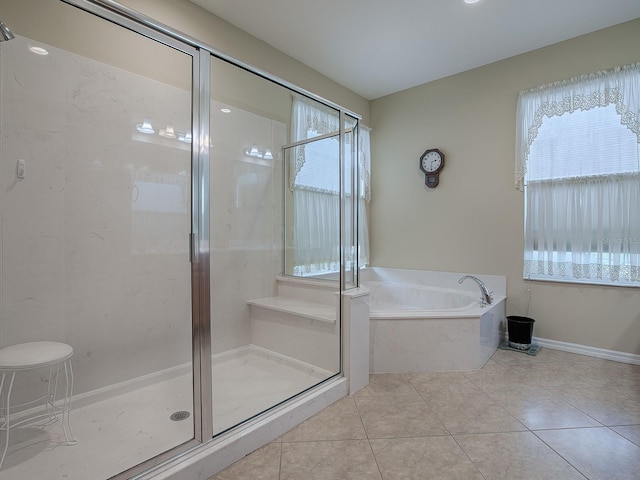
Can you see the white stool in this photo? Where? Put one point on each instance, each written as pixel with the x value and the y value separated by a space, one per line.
pixel 29 356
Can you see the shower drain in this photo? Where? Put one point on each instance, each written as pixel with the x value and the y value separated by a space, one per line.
pixel 182 415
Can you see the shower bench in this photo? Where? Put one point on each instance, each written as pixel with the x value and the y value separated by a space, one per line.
pixel 31 356
pixel 301 322
pixel 295 306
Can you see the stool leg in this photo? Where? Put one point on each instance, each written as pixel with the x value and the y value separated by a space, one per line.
pixel 51 396
pixel 66 407
pixel 4 374
pixel 7 425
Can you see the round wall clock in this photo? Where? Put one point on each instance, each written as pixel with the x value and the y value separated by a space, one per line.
pixel 431 163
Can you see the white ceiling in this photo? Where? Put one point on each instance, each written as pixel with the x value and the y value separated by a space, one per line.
pixel 379 47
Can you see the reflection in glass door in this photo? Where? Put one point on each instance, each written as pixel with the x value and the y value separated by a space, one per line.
pixel 273 336
pixel 95 236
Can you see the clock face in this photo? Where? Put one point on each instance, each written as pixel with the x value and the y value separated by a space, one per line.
pixel 431 162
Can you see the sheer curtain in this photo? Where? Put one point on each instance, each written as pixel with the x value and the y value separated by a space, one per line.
pixel 314 182
pixel 578 162
pixel 316 236
pixel 364 158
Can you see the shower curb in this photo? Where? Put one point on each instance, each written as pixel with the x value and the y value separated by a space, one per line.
pixel 208 459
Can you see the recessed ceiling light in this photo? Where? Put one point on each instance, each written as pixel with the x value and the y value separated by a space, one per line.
pixel 225 110
pixel 471 1
pixel 39 50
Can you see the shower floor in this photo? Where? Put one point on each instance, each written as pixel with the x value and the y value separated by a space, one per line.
pixel 248 380
pixel 119 432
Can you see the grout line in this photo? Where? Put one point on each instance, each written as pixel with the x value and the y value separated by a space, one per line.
pixel 561 456
pixel 433 411
pixel 467 455
pixel 566 428
pixel 374 458
pixel 320 440
pixel 621 435
pixel 280 462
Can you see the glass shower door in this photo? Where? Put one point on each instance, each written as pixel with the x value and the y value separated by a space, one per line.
pixel 96 225
pixel 266 345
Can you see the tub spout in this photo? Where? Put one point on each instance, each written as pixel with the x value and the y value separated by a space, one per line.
pixel 486 297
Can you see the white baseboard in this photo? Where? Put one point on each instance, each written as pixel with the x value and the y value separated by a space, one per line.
pixel 616 356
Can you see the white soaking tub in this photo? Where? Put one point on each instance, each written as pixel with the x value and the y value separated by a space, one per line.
pixel 423 321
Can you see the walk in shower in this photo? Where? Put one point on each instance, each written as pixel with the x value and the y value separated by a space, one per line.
pixel 155 202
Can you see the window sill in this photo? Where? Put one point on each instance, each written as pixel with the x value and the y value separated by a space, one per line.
pixel 581 281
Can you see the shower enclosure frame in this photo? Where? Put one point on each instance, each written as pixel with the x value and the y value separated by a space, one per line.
pixel 199 241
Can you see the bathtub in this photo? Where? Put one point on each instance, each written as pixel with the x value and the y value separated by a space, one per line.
pixel 423 321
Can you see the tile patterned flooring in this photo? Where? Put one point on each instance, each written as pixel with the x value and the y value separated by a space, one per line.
pixel 556 416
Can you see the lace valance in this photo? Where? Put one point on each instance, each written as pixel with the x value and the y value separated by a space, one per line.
pixel 310 116
pixel 619 86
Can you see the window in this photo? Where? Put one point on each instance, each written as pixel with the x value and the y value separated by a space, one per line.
pixel 314 180
pixel 578 162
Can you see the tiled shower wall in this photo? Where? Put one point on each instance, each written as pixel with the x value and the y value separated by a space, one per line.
pixel 95 237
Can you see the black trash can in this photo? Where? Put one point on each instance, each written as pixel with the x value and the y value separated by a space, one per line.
pixel 520 331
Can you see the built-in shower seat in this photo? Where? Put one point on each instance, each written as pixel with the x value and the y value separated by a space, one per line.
pixel 295 306
pixel 30 356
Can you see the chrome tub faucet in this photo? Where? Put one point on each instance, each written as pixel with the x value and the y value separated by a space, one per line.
pixel 486 297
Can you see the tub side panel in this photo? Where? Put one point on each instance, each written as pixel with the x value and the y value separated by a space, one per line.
pixel 426 345
pixel 493 326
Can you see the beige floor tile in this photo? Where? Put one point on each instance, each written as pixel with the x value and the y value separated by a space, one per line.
pixel 600 374
pixel 263 464
pixel 398 416
pixel 537 408
pixel 339 421
pixel 550 374
pixel 559 376
pixel 509 357
pixel 495 376
pixel 475 413
pixel 599 453
pixel 630 432
pixel 381 384
pixel 438 385
pixel 438 380
pixel 400 426
pixel 493 365
pixel 423 458
pixel 500 392
pixel 541 412
pixel 339 460
pixel 434 378
pixel 623 374
pixel 618 406
pixel 521 455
